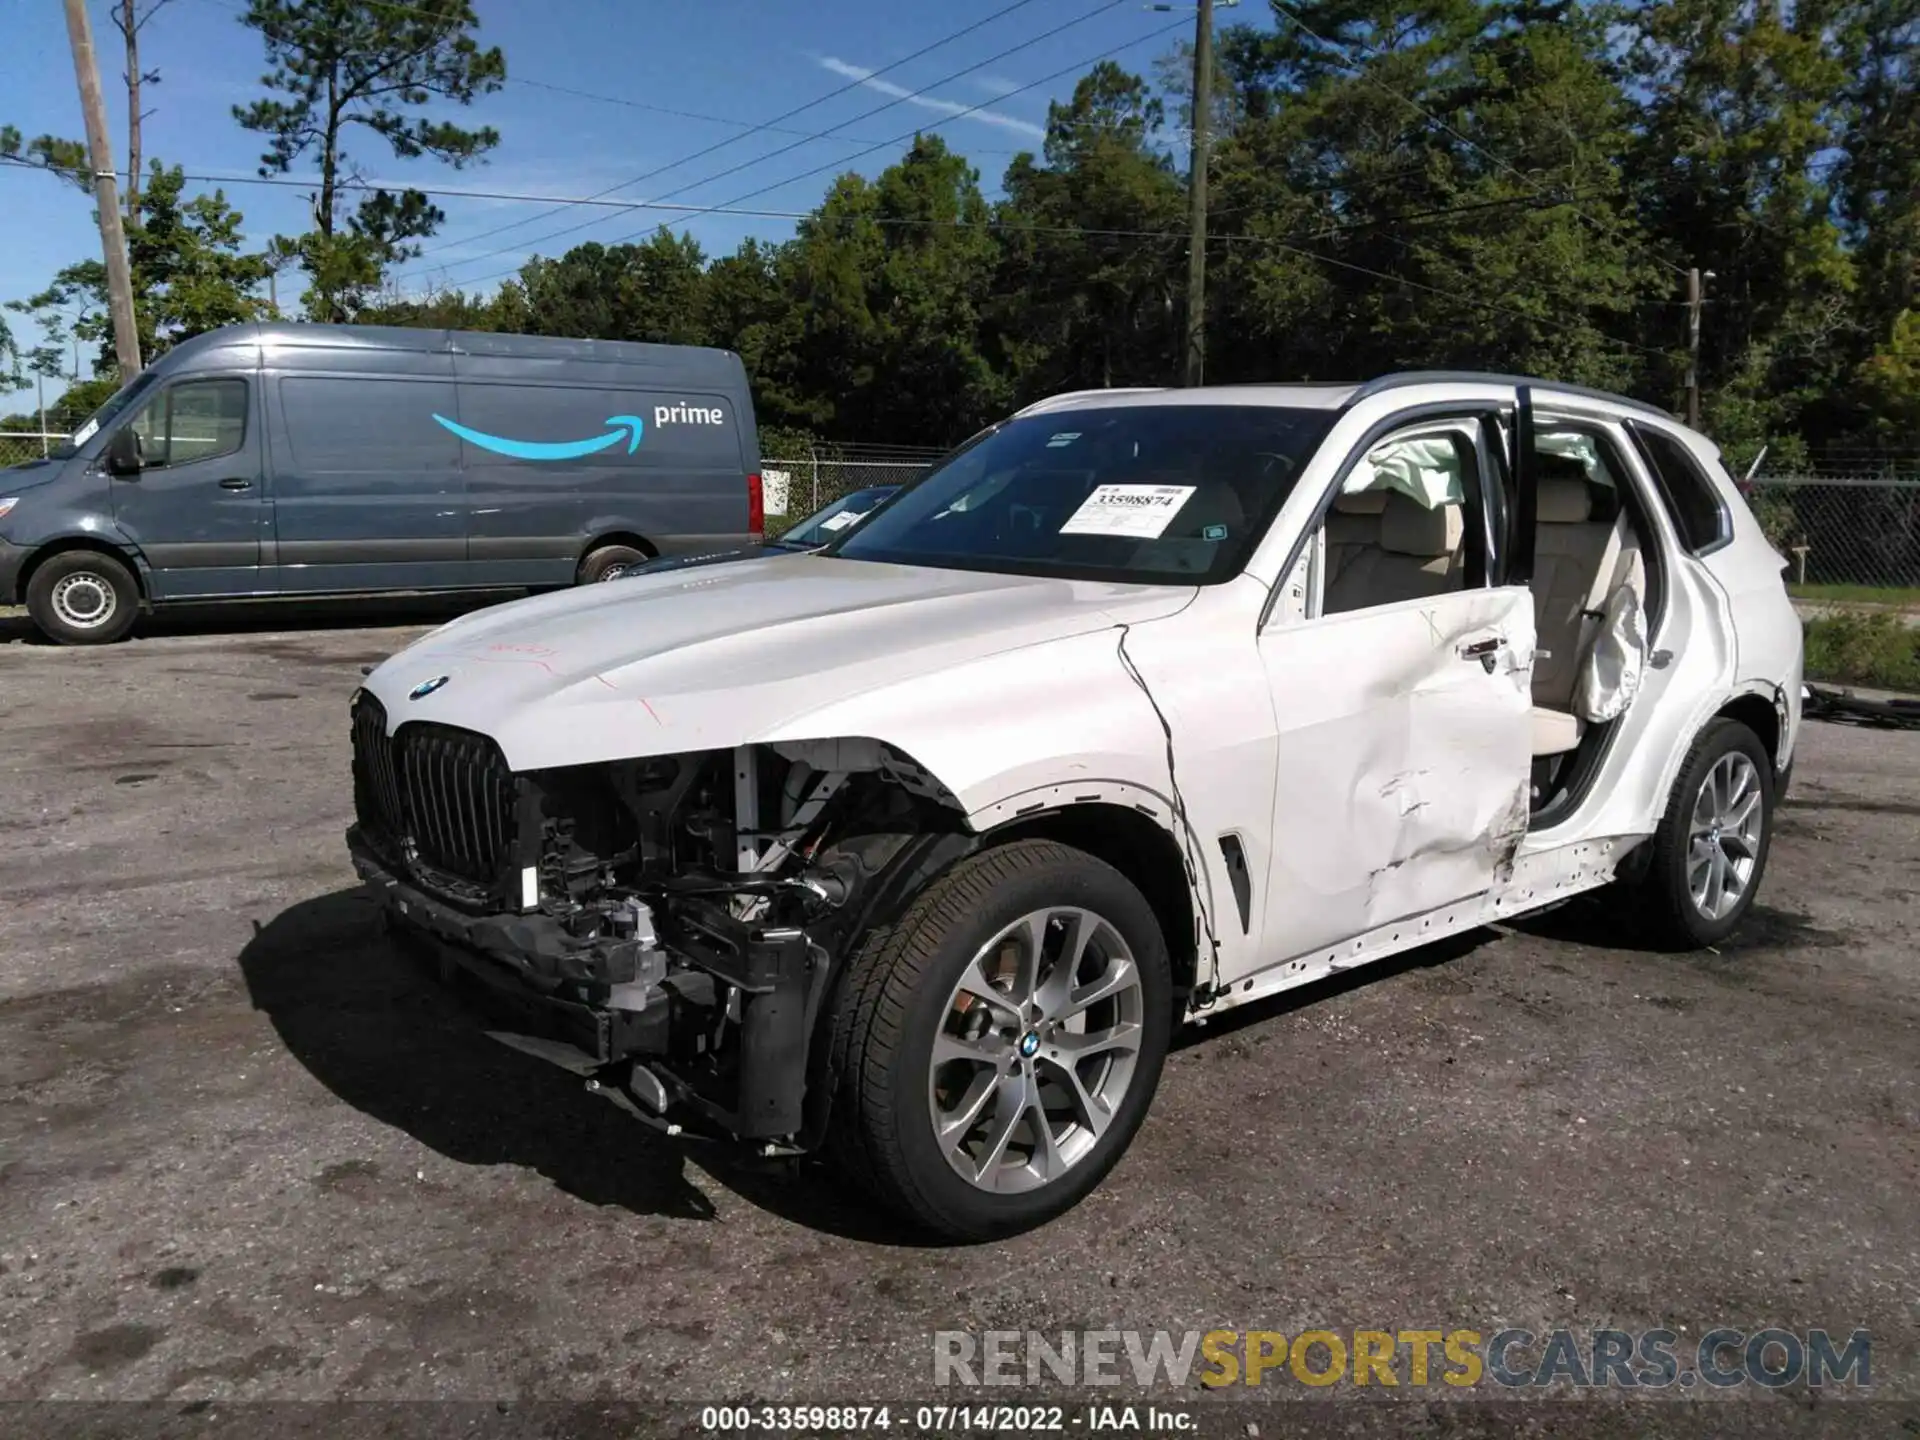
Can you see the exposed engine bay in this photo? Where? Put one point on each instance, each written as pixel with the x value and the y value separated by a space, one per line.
pixel 668 927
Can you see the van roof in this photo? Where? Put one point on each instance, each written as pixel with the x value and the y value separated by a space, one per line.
pixel 695 364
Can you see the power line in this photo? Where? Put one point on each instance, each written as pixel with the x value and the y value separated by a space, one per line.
pixel 749 125
pixel 907 222
pixel 775 154
pixel 735 139
pixel 1278 243
pixel 727 206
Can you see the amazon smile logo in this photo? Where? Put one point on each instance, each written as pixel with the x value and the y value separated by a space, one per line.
pixel 626 427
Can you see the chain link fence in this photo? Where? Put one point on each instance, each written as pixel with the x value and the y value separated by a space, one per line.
pixel 796 488
pixel 1845 536
pixel 20 445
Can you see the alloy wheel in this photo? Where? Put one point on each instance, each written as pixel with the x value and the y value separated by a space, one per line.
pixel 1037 1047
pixel 1724 838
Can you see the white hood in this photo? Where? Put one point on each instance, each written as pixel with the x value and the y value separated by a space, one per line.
pixel 712 657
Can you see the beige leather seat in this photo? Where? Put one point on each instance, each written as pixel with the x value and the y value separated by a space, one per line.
pixel 1578 564
pixel 1419 553
pixel 1353 526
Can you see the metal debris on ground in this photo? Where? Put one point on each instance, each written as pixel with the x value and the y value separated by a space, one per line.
pixel 1845 707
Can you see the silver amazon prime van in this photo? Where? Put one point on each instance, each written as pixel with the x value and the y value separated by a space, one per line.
pixel 278 460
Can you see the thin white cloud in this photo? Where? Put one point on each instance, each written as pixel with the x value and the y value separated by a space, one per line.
pixel 927 102
pixel 996 84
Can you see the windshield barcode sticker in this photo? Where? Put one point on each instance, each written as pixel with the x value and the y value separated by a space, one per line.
pixel 1139 511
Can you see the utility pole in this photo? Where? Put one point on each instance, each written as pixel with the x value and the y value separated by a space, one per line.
pixel 1196 347
pixel 1694 301
pixel 113 239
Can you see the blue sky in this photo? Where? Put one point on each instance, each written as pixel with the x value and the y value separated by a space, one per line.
pixel 748 61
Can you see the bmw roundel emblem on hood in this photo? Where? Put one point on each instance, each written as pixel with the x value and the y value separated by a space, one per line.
pixel 427 687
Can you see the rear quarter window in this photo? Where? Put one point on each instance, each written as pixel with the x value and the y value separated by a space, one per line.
pixel 1691 499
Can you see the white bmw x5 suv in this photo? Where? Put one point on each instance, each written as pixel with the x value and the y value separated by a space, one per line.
pixel 1139 706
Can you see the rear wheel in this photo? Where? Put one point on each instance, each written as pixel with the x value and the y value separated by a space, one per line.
pixel 83 597
pixel 1711 848
pixel 609 562
pixel 1000 1045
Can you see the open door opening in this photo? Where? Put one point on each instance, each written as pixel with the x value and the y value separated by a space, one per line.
pixel 1597 590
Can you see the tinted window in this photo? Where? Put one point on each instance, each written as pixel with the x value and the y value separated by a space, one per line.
pixel 1689 496
pixel 1157 494
pixel 363 426
pixel 194 420
pixel 843 514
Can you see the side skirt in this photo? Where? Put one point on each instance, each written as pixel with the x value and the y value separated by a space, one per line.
pixel 1539 881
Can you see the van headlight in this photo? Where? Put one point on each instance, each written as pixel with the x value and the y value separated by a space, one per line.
pixel 7 504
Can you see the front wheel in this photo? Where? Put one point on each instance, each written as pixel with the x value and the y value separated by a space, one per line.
pixel 83 597
pixel 1711 848
pixel 999 1046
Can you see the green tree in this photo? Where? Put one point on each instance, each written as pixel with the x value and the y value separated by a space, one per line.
pixel 1890 378
pixel 1092 245
pixel 338 64
pixel 1877 178
pixel 1741 103
pixel 1428 185
pixel 64 158
pixel 190 272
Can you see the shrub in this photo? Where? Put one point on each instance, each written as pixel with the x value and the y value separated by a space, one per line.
pixel 1863 649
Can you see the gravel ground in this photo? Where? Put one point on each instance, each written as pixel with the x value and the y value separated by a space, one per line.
pixel 246 1155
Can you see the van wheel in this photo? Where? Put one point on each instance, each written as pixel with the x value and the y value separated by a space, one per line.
pixel 999 1046
pixel 1711 848
pixel 83 597
pixel 609 562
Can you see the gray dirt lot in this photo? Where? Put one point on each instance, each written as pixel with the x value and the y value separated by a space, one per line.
pixel 246 1155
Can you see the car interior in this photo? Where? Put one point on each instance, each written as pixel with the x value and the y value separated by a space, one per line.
pixel 1383 545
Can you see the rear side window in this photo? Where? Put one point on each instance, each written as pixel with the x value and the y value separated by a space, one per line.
pixel 1692 502
pixel 374 425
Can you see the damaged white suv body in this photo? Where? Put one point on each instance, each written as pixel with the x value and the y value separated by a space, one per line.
pixel 1140 706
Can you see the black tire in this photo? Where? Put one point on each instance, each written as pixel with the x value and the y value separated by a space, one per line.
pixel 609 562
pixel 83 597
pixel 894 999
pixel 1666 908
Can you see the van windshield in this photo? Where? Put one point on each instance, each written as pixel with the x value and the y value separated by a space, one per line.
pixel 116 403
pixel 1164 494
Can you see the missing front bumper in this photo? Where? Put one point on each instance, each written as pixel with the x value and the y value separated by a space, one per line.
pixel 718 1022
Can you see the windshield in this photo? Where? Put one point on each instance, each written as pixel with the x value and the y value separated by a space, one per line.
pixel 1149 494
pixel 843 514
pixel 116 403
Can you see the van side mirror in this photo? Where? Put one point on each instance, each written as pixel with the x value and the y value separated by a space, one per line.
pixel 123 452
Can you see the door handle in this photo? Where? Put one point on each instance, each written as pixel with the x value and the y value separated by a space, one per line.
pixel 1483 651
pixel 237 482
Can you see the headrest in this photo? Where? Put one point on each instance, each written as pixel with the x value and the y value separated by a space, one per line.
pixel 1409 528
pixel 1361 502
pixel 1549 466
pixel 1563 501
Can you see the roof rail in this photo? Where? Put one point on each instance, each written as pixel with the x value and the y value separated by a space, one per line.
pixel 1426 377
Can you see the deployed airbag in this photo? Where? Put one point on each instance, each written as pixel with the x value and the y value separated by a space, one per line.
pixel 1616 658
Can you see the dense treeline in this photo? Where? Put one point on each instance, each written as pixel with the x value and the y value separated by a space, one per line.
pixel 1500 184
